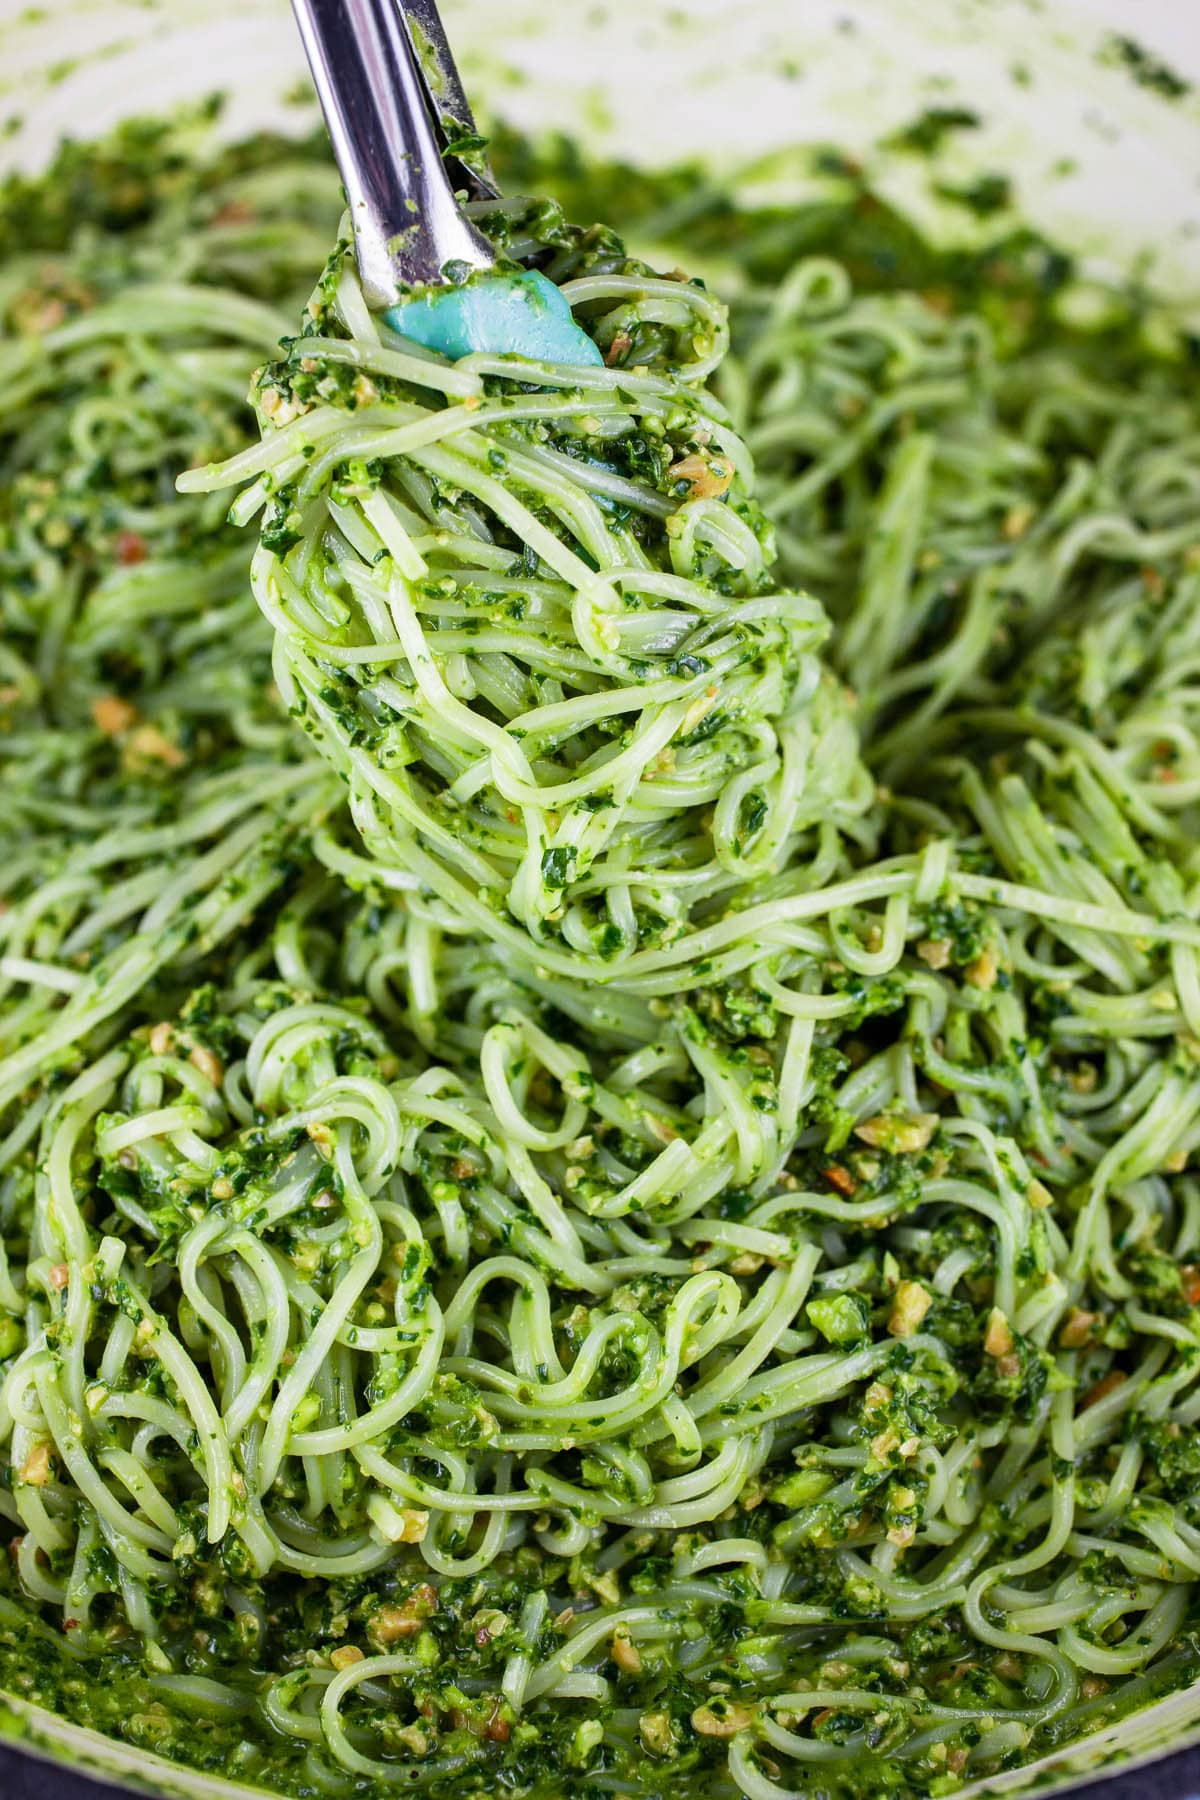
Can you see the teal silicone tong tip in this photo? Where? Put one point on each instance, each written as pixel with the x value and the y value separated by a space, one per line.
pixel 403 135
pixel 506 315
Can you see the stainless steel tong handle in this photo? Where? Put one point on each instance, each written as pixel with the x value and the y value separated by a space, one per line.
pixel 447 98
pixel 388 87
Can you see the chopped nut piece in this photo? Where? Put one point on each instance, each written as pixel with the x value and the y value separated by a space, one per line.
pixel 162 1038
pixel 208 1064
pixel 148 745
pixel 390 1623
pixel 707 476
pixel 998 1338
pixel 698 711
pixel 909 1306
pixel 983 971
pixel 722 1718
pixel 398 1524
pixel 281 409
pixel 753 1494
pixel 935 952
pixel 657 1733
pixel 416 1525
pixel 35 1470
pixel 112 715
pixel 1092 1686
pixel 902 1135
pixel 488 1625
pixel 36 313
pixel 59 1276
pixel 416 1738
pixel 345 1655
pixel 222 1188
pixel 748 1263
pixel 789 1716
pixel 625 1652
pixel 603 1582
pixel 1077 1330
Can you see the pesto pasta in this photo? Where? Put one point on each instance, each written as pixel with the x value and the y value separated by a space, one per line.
pixel 533 626
pixel 600 1030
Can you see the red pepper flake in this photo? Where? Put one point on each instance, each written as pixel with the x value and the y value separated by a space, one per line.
pixel 497 1730
pixel 130 548
pixel 1113 1380
pixel 620 347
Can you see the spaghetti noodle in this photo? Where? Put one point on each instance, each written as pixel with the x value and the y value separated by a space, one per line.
pixel 608 1237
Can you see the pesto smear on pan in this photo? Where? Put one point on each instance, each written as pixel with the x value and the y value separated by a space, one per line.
pixel 600 1040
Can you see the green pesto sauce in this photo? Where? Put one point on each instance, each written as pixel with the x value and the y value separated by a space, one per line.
pixel 104 209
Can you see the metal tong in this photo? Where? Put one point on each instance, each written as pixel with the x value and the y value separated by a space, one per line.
pixel 401 127
pixel 396 109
